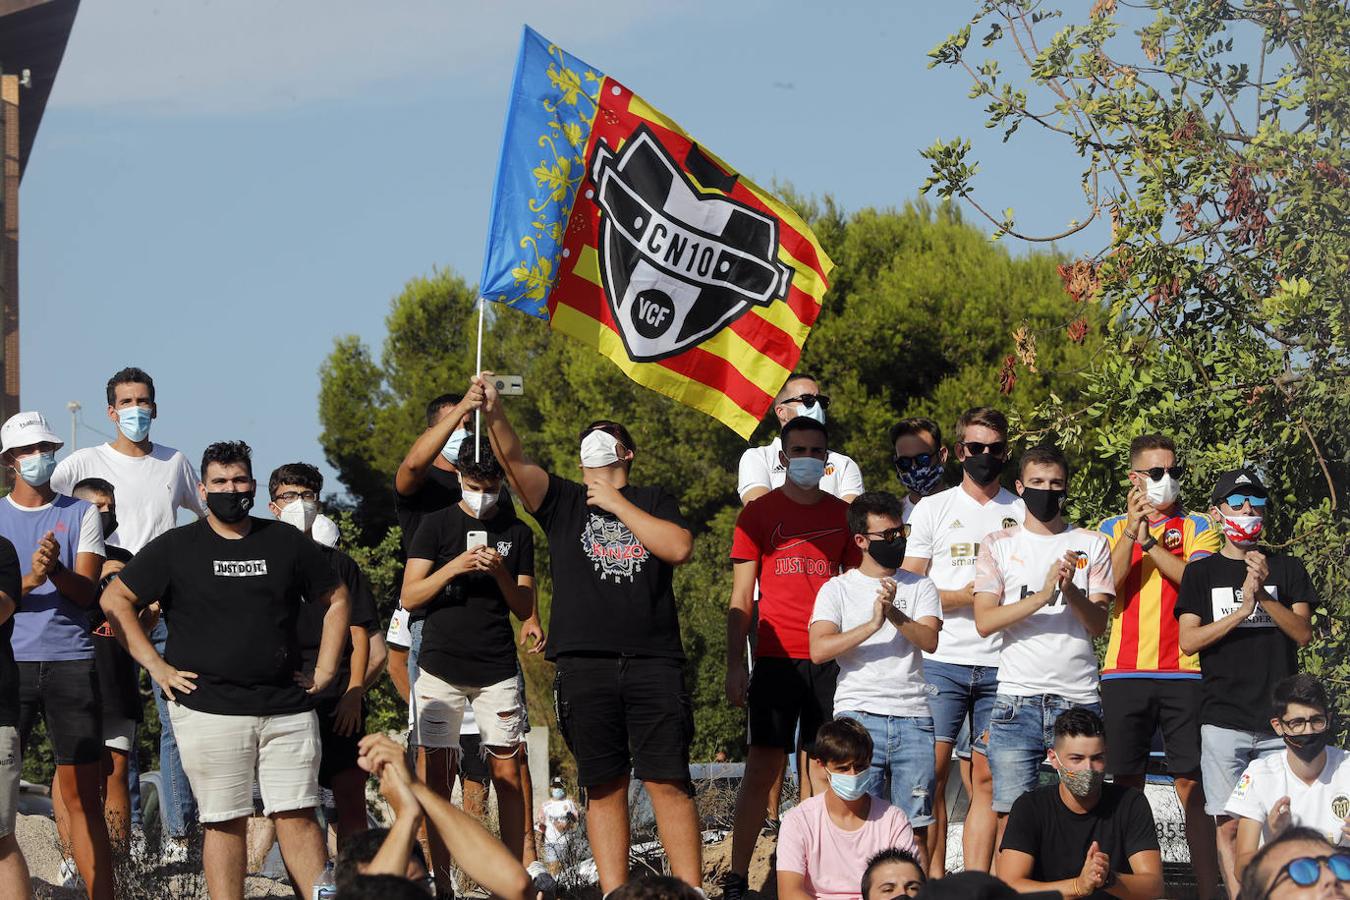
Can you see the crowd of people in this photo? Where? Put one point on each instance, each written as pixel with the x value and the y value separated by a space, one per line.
pixel 873 637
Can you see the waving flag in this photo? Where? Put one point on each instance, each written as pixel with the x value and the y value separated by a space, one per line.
pixel 629 236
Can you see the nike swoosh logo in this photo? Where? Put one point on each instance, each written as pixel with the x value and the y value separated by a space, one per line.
pixel 782 541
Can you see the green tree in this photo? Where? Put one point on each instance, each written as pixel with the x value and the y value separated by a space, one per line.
pixel 1214 139
pixel 921 319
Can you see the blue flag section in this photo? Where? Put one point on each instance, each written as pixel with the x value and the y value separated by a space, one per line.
pixel 548 122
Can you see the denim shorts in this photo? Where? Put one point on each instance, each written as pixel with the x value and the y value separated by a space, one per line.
pixel 1021 729
pixel 902 762
pixel 959 694
pixel 1224 755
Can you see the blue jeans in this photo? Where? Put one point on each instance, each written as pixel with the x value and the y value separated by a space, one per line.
pixel 414 648
pixel 178 805
pixel 902 757
pixel 960 694
pixel 1021 730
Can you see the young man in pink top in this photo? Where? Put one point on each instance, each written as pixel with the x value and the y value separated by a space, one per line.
pixel 826 841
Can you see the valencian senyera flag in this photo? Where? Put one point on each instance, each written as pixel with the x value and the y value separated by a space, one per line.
pixel 632 238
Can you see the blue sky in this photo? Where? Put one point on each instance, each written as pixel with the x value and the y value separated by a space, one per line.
pixel 219 189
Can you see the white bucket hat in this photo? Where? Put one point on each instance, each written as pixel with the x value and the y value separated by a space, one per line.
pixel 25 429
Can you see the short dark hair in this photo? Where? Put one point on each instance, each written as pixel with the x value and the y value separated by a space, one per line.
pixel 380 887
pixel 1043 455
pixel 227 453
pixel 300 473
pixel 130 375
pixel 890 855
pixel 1151 441
pixel 795 376
pixel 878 503
pixel 1253 880
pixel 843 740
pixel 981 415
pixel 803 423
pixel 487 468
pixel 1303 689
pixel 360 849
pixel 916 425
pixel 611 428
pixel 93 485
pixel 654 887
pixel 1079 722
pixel 440 403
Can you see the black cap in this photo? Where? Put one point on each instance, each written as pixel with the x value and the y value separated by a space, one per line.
pixel 1238 481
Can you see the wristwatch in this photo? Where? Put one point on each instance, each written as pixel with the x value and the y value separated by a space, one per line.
pixel 1148 544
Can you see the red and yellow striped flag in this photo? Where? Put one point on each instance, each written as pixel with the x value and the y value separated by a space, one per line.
pixel 696 282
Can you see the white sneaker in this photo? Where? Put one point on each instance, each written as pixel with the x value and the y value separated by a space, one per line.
pixel 138 846
pixel 173 850
pixel 68 875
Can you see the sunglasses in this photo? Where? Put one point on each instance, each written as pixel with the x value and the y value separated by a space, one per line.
pixel 907 463
pixel 975 448
pixel 1236 500
pixel 1156 473
pixel 1306 870
pixel 890 535
pixel 810 400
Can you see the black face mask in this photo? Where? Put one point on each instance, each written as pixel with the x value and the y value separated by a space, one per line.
pixel 109 520
pixel 984 468
pixel 1044 503
pixel 1307 747
pixel 887 554
pixel 229 506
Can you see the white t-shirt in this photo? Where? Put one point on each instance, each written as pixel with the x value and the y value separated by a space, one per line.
pixel 946 529
pixel 149 489
pixel 1050 651
pixel 1322 806
pixel 761 467
pixel 906 510
pixel 555 814
pixel 884 674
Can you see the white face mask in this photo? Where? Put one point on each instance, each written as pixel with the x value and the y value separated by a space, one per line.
pixel 300 513
pixel 599 449
pixel 481 504
pixel 1163 492
pixel 814 411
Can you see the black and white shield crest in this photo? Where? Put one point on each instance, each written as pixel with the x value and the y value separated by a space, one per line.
pixel 677 264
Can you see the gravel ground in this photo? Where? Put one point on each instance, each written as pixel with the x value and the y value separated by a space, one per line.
pixel 37 838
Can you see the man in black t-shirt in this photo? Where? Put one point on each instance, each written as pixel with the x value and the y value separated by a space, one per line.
pixel 1082 837
pixel 1245 612
pixel 13 868
pixel 470 567
pixel 230 588
pixel 294 490
pixel 619 686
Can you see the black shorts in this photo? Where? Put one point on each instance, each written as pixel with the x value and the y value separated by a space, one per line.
pixel 1135 708
pixel 786 693
pixel 624 713
pixel 338 752
pixel 472 765
pixel 66 694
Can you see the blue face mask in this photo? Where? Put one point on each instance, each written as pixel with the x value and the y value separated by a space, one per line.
pixel 806 471
pixel 37 468
pixel 921 480
pixel 134 422
pixel 850 787
pixel 451 449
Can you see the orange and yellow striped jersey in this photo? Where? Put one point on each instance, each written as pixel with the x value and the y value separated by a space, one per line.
pixel 1144 632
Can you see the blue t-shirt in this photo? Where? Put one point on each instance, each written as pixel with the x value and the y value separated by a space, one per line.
pixel 48 625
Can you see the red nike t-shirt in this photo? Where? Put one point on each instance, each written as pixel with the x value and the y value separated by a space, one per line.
pixel 798 548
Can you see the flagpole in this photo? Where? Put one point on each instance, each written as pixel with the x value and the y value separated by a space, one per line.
pixel 478 370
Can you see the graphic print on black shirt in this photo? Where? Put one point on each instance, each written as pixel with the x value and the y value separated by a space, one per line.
pixel 610 593
pixel 236 631
pixel 1238 671
pixel 467 639
pixel 1058 839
